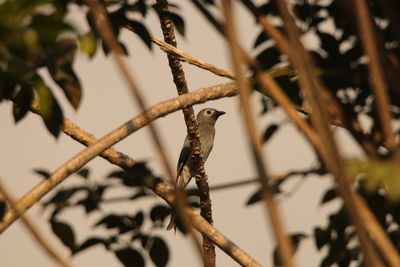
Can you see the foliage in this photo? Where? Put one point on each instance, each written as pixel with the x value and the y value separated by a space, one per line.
pixel 132 237
pixel 36 38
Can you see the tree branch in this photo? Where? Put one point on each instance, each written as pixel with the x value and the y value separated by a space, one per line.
pixel 192 130
pixel 37 235
pixel 286 249
pixel 313 89
pixel 376 74
pixel 100 16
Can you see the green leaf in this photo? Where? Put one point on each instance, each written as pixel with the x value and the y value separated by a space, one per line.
pixel 65 233
pixel 130 257
pixel 49 108
pixel 159 252
pixel 88 44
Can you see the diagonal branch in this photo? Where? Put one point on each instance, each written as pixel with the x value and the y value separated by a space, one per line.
pixel 163 190
pixel 376 72
pixel 286 249
pixel 38 236
pixel 99 14
pixel 159 110
pixel 313 88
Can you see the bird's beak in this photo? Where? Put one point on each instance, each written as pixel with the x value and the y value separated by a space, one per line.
pixel 220 113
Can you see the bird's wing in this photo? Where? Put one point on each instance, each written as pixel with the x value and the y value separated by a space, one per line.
pixel 183 157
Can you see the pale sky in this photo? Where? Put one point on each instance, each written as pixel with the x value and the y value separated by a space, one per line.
pixel 107 104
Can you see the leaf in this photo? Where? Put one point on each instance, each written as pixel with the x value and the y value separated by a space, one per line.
pixel 261 38
pixel 88 44
pixel 139 194
pixel 269 132
pixel 159 213
pixel 159 252
pixel 122 222
pixel 138 219
pixel 269 57
pixel 3 207
pixel 321 237
pixel 65 233
pixel 90 243
pixel 91 201
pixel 44 173
pixel 60 69
pixel 328 196
pixel 22 102
pixel 49 108
pixel 84 173
pixel 63 195
pixel 255 197
pixel 130 257
pixel 141 31
pixel 178 21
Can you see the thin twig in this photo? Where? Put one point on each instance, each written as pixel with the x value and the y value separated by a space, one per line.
pixel 284 242
pixel 376 73
pixel 208 249
pixel 312 88
pixel 37 235
pixel 192 60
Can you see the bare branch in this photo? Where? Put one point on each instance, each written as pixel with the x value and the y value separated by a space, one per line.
pixel 163 190
pixel 376 73
pixel 286 250
pixel 103 25
pixel 313 89
pixel 37 235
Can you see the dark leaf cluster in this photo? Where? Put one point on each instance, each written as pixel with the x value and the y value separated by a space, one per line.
pixel 339 234
pixel 35 37
pixel 131 237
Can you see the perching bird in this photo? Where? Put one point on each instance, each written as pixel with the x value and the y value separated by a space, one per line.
pixel 206 119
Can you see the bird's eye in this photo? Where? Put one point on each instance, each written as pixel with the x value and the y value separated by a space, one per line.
pixel 208 112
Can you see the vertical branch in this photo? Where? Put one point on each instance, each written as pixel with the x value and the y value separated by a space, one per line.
pixel 375 66
pixel 285 245
pixel 312 88
pixel 38 236
pixel 103 25
pixel 192 130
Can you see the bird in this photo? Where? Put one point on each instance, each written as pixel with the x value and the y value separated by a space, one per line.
pixel 206 119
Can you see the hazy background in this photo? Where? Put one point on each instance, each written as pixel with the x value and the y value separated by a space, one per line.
pixel 107 104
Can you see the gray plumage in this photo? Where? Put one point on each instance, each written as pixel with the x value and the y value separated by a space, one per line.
pixel 206 119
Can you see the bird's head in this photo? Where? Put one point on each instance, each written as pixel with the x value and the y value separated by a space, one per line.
pixel 209 115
